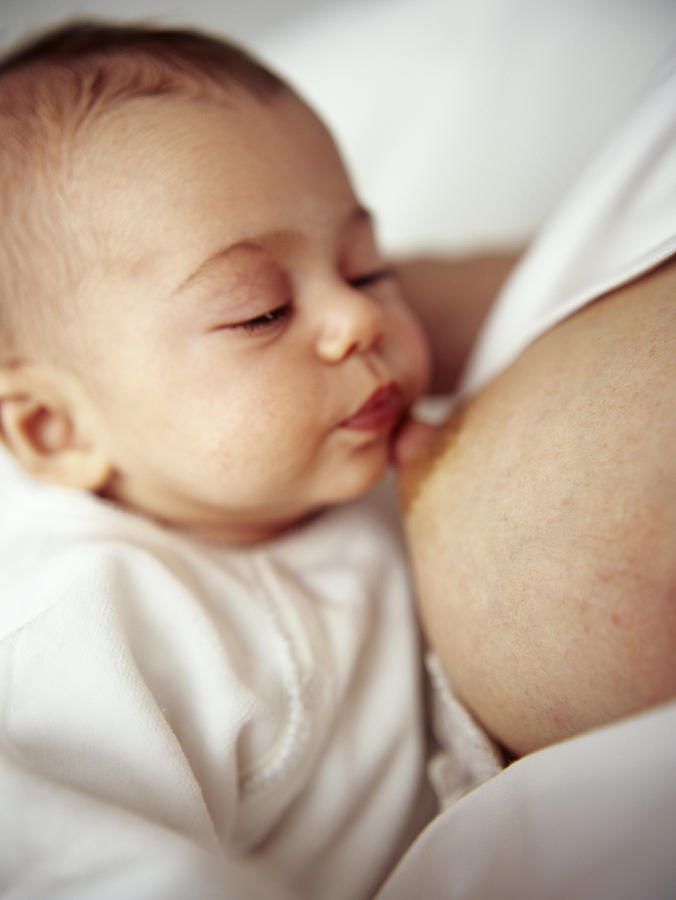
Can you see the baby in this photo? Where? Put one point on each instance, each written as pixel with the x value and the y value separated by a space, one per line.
pixel 207 644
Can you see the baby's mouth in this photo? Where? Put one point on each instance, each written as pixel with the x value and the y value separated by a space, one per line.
pixel 380 412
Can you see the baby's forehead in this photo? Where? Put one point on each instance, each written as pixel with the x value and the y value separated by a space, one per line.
pixel 73 143
pixel 54 103
pixel 136 175
pixel 124 154
pixel 148 132
pixel 149 144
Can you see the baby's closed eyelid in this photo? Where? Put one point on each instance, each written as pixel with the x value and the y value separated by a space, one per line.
pixel 381 274
pixel 267 320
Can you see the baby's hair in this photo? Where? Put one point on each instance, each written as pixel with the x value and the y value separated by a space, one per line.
pixel 50 88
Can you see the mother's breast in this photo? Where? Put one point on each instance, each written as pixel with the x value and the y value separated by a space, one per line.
pixel 542 525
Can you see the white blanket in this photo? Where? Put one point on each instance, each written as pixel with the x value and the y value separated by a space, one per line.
pixel 593 818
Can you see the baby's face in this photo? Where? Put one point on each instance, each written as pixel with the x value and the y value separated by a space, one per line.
pixel 245 352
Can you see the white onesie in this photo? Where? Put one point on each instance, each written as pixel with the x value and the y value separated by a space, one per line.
pixel 162 698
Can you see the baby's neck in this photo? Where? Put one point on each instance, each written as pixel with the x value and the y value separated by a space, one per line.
pixel 231 534
pixel 244 535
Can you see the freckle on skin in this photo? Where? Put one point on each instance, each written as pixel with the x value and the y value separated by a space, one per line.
pixel 616 619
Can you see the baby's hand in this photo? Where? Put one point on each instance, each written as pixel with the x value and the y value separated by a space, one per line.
pixel 411 440
pixel 415 447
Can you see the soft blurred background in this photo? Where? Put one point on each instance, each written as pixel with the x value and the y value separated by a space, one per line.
pixel 463 120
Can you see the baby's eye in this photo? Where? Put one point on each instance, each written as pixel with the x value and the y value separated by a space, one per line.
pixel 265 320
pixel 371 278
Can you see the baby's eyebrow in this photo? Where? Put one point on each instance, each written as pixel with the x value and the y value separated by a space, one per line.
pixel 220 256
pixel 258 242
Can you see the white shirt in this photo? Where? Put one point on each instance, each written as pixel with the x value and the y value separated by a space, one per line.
pixel 162 700
pixel 618 222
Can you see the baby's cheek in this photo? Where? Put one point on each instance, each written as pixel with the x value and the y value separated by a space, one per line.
pixel 414 352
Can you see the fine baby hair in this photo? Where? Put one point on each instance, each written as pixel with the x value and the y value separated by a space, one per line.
pixel 50 88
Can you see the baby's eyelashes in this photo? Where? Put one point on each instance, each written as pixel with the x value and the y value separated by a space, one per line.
pixel 372 278
pixel 271 318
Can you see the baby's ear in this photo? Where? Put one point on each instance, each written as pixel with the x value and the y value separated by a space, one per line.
pixel 40 427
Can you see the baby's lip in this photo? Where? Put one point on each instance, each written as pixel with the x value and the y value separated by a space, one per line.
pixel 380 412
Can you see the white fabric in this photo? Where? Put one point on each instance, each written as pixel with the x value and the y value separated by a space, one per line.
pixel 593 818
pixel 466 757
pixel 588 819
pixel 617 223
pixel 464 121
pixel 160 698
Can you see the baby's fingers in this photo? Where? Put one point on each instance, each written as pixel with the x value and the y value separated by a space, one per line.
pixel 411 441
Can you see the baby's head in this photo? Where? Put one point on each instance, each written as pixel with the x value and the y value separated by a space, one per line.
pixel 194 317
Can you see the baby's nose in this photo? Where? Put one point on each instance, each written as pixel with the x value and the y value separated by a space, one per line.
pixel 352 322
